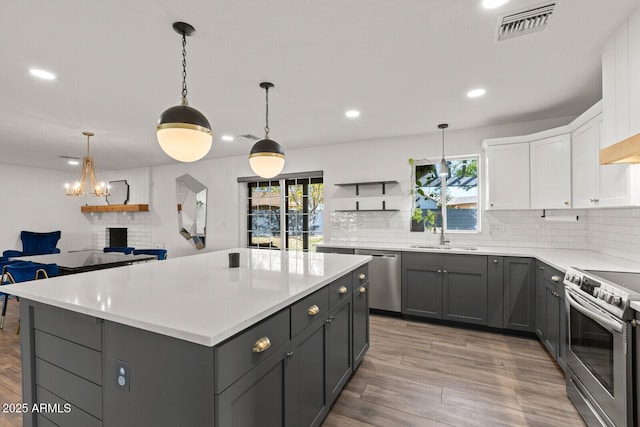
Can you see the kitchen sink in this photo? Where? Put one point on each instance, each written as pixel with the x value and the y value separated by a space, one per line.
pixel 453 248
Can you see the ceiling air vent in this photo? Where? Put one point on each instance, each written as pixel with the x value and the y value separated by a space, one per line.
pixel 249 136
pixel 525 22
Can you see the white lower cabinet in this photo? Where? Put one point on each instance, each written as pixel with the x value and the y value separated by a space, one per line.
pixel 551 172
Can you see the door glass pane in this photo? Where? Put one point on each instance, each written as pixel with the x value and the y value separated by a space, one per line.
pixel 316 214
pixel 264 217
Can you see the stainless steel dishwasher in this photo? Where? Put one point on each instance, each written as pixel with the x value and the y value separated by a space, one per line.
pixel 385 286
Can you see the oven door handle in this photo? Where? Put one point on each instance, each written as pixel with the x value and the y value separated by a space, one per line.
pixel 610 324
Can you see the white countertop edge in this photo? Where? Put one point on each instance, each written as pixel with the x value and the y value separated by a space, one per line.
pixel 560 259
pixel 202 339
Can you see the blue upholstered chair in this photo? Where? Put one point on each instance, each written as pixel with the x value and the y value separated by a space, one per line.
pixel 124 249
pixel 36 244
pixel 22 271
pixel 160 253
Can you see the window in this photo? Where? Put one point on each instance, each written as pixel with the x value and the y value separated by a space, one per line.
pixel 460 190
pixel 286 214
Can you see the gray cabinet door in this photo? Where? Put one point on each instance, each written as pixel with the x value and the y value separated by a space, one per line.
pixel 495 291
pixel 422 284
pixel 308 398
pixel 360 323
pixel 519 294
pixel 464 289
pixel 339 360
pixel 540 301
pixel 552 319
pixel 259 397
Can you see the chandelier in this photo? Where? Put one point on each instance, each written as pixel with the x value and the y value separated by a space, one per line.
pixel 80 187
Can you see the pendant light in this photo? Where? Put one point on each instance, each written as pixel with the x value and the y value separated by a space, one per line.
pixel 444 169
pixel 183 132
pixel 267 156
pixel 79 188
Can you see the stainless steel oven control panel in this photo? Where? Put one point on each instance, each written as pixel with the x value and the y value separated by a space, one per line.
pixel 600 291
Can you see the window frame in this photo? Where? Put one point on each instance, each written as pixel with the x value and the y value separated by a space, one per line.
pixel 424 162
pixel 283 182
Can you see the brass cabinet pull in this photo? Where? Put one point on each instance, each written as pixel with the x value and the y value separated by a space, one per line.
pixel 261 345
pixel 362 276
pixel 555 278
pixel 362 289
pixel 342 290
pixel 313 310
pixel 495 261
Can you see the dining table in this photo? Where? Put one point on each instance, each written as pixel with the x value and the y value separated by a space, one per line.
pixel 81 261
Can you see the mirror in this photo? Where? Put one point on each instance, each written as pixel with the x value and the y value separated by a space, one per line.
pixel 192 209
pixel 118 193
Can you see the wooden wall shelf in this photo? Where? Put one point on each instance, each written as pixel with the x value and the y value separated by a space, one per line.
pixel 115 208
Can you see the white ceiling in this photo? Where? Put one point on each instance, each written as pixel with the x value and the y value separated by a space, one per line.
pixel 406 64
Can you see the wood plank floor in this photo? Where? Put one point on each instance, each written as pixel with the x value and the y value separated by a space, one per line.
pixel 420 374
pixel 415 374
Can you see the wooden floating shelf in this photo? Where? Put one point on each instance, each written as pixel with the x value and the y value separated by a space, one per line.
pixel 115 208
pixel 625 151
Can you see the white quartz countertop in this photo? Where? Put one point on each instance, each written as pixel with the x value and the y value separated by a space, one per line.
pixel 557 258
pixel 195 298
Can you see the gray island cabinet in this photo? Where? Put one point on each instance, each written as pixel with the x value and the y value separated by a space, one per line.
pixel 284 369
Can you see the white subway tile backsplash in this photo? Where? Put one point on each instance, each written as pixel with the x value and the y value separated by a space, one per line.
pixel 610 231
pixel 138 226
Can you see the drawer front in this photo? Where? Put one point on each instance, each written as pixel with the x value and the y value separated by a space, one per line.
pixel 304 313
pixel 241 353
pixel 551 273
pixel 360 276
pixel 75 327
pixel 340 290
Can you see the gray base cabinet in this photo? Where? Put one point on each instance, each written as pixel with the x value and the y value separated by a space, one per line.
pixel 360 320
pixel 551 317
pixel 289 380
pixel 519 301
pixel 450 287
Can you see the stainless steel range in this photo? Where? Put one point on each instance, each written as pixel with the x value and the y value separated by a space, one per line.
pixel 599 351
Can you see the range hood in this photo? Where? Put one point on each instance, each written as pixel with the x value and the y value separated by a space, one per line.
pixel 625 151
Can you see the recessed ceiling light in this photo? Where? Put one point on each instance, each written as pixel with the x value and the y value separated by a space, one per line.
pixel 42 74
pixel 492 4
pixel 227 138
pixel 352 114
pixel 74 162
pixel 476 93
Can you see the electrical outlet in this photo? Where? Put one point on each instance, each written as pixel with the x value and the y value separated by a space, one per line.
pixel 497 227
pixel 122 377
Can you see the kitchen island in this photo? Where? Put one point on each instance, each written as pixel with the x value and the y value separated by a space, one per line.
pixel 190 341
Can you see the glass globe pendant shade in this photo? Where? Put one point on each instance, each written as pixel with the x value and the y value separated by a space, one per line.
pixel 184 133
pixel 266 158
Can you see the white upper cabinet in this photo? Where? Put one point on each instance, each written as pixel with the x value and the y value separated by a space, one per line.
pixel 585 145
pixel 507 169
pixel 551 172
pixel 621 82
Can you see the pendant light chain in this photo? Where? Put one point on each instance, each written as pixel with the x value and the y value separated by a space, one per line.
pixel 266 127
pixel 184 69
